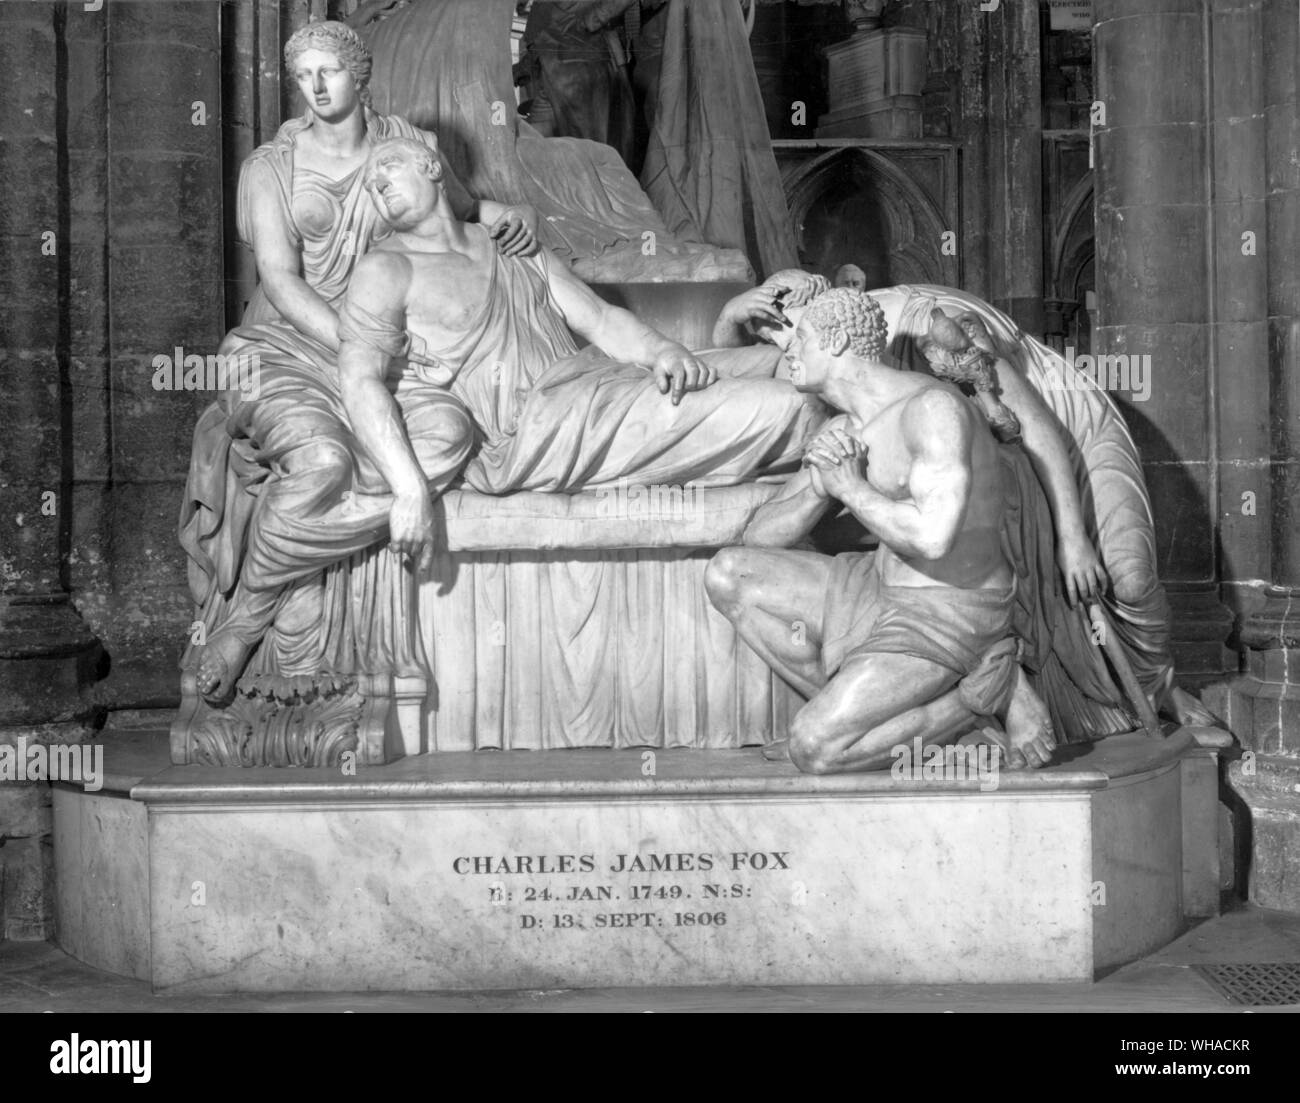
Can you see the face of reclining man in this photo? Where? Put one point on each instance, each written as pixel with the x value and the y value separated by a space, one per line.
pixel 404 192
pixel 449 282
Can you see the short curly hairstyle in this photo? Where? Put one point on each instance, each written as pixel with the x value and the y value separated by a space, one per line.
pixel 330 36
pixel 426 158
pixel 854 313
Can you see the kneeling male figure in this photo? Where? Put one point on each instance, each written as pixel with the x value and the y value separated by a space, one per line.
pixel 882 643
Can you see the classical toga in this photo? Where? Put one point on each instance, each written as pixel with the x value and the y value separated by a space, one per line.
pixel 552 418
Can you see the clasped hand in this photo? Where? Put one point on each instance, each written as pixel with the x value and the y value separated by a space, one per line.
pixel 835 460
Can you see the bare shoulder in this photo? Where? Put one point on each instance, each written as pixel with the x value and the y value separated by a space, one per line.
pixel 381 278
pixel 383 264
pixel 937 420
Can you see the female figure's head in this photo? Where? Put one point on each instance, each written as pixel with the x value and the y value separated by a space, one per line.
pixel 331 65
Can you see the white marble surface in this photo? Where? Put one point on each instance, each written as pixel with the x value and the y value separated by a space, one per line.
pixel 101 871
pixel 910 888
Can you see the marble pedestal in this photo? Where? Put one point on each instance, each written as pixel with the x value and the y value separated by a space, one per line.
pixel 592 868
pixel 873 83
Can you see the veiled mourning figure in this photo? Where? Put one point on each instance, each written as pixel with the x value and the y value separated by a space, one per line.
pixel 252 487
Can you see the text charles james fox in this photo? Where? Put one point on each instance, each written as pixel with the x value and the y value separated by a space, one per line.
pixel 676 862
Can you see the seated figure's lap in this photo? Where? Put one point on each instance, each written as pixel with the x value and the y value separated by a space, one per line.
pixel 303 431
pixel 440 429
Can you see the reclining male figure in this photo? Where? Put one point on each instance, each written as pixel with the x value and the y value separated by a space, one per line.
pixel 500 389
pixel 882 644
pixel 548 417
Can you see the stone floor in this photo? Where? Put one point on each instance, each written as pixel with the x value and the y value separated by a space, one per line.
pixel 39 977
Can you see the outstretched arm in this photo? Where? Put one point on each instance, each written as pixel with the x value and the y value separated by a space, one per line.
pixel 758 303
pixel 926 525
pixel 761 307
pixel 379 286
pixel 621 335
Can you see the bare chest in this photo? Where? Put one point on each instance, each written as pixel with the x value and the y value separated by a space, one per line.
pixel 448 291
pixel 888 462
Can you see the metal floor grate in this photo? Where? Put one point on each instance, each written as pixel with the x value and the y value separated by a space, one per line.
pixel 1257 984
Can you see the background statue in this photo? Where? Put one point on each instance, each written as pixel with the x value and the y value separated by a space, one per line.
pixel 709 168
pixel 710 172
pixel 577 74
pixel 850 275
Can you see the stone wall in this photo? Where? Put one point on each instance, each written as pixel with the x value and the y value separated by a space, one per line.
pixel 112 258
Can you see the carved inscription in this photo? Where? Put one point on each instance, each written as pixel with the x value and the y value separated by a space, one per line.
pixel 660 890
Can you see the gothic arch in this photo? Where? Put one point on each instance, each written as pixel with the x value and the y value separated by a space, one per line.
pixel 853 204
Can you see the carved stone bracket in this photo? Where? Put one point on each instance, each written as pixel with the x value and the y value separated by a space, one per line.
pixel 302 721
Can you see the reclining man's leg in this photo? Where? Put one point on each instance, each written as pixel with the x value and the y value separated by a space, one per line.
pixel 877 701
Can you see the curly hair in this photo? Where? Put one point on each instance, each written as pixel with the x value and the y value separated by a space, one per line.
pixel 854 313
pixel 332 37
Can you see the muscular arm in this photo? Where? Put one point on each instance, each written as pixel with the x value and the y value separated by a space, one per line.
pixel 617 332
pixel 791 515
pixel 728 333
pixel 927 524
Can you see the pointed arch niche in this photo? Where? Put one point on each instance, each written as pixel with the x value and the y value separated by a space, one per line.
pixel 884 206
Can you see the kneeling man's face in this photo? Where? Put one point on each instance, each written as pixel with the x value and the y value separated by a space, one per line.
pixel 400 189
pixel 808 361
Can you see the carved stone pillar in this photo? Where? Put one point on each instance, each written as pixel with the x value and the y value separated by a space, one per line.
pixel 1263 705
pixel 989 61
pixel 1161 293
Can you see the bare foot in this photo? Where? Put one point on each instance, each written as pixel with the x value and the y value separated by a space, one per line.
pixel 1029 735
pixel 1188 711
pixel 223 661
pixel 778 751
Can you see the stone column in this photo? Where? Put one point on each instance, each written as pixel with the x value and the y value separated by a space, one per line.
pixel 1015 183
pixel 47 655
pixel 990 63
pixel 1157 291
pixel 164 289
pixel 1263 705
